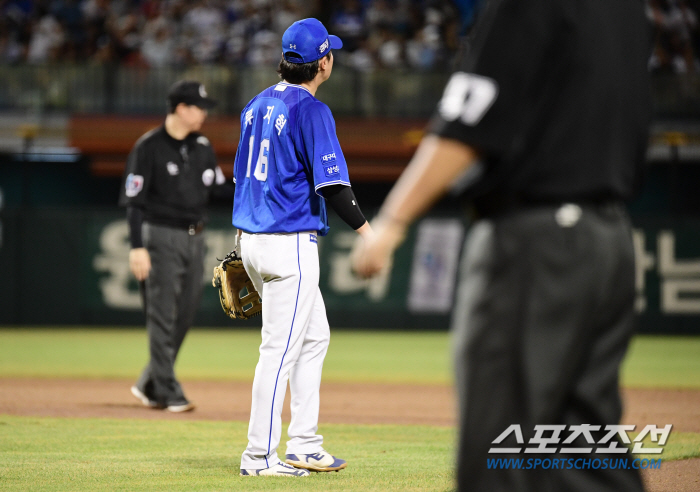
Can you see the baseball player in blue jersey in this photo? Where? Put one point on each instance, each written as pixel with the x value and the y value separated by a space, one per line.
pixel 288 165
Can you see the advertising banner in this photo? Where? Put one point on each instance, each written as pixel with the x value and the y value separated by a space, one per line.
pixel 70 266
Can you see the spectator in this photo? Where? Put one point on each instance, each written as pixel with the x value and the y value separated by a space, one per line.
pixel 95 11
pixel 18 11
pixel 46 41
pixel 126 31
pixel 681 22
pixel 158 47
pixel 70 15
pixel 348 22
pixel 421 50
pixel 379 14
pixel 363 58
pixel 11 49
pixel 264 49
pixel 390 51
pixel 675 24
pixel 204 24
pixel 204 19
pixel 286 15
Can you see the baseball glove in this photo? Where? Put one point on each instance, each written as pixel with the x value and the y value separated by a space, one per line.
pixel 231 279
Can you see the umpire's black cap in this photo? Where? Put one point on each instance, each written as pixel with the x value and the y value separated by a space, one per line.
pixel 189 92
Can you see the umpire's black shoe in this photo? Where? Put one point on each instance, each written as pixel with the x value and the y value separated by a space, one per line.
pixel 141 396
pixel 179 406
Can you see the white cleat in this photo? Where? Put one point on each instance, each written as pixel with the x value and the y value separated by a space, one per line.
pixel 278 470
pixel 322 461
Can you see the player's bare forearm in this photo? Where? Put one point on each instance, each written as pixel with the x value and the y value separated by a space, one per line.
pixel 365 230
pixel 434 167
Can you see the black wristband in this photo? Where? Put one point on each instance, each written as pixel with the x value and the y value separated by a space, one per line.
pixel 134 216
pixel 343 201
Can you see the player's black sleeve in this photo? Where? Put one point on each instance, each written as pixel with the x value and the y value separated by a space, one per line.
pixel 343 201
pixel 134 216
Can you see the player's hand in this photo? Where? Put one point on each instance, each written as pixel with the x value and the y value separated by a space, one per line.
pixel 373 252
pixel 140 263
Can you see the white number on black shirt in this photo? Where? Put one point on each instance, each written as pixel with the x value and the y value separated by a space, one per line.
pixel 467 97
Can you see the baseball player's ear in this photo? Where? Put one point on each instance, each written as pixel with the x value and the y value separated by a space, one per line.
pixel 323 62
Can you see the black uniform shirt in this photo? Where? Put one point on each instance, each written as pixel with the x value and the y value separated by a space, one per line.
pixel 170 179
pixel 555 95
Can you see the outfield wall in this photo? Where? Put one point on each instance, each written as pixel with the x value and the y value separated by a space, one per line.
pixel 64 249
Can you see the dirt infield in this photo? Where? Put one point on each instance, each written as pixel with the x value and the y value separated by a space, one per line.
pixel 347 403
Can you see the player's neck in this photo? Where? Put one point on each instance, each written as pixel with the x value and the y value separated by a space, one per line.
pixel 312 85
pixel 176 128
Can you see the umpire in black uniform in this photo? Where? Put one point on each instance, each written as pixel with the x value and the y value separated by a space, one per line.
pixel 167 182
pixel 549 112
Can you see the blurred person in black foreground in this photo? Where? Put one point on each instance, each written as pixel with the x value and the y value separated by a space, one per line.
pixel 551 106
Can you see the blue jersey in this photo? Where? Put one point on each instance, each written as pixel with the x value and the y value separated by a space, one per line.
pixel 288 151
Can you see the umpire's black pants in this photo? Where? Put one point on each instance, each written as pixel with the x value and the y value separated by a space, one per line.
pixel 543 317
pixel 173 291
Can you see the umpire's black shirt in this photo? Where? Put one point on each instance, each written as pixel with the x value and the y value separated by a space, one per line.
pixel 170 179
pixel 555 95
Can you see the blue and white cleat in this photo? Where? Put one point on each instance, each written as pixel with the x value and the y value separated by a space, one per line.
pixel 278 470
pixel 322 461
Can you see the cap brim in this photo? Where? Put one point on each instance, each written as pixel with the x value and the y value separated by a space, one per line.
pixel 336 43
pixel 205 103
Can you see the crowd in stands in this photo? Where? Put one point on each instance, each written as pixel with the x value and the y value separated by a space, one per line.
pixel 676 35
pixel 418 34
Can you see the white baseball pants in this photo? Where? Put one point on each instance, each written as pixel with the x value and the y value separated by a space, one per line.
pixel 295 335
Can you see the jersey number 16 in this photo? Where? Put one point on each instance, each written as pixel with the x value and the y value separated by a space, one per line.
pixel 260 172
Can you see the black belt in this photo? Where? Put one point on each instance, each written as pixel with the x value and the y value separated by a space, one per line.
pixel 192 228
pixel 505 206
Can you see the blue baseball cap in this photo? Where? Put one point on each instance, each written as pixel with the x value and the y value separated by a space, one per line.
pixel 307 40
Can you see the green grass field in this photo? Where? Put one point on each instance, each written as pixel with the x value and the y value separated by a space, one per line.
pixel 359 356
pixel 220 355
pixel 136 455
pixel 107 454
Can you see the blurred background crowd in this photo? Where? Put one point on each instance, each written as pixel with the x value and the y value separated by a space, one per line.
pixel 676 35
pixel 420 34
